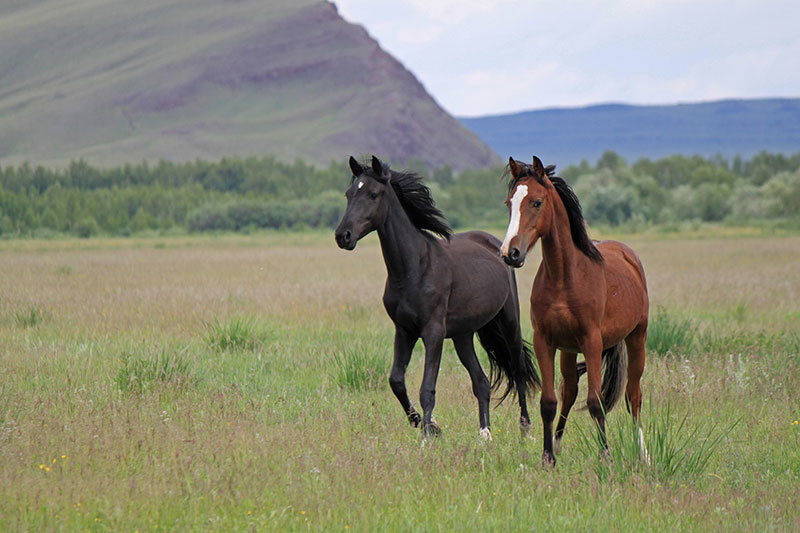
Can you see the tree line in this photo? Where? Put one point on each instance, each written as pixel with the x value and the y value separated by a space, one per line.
pixel 240 194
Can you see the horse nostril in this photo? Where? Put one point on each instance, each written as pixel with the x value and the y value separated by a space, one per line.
pixel 347 236
pixel 513 254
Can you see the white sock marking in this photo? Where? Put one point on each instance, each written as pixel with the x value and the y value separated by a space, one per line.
pixel 513 224
pixel 645 453
pixel 485 435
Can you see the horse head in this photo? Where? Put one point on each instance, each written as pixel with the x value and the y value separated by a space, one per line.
pixel 366 209
pixel 530 205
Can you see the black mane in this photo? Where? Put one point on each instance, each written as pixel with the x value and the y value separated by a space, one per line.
pixel 577 225
pixel 417 202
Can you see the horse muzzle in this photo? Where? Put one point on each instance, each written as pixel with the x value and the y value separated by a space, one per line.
pixel 346 240
pixel 513 257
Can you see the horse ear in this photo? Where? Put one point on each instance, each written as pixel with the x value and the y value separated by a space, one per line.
pixel 356 167
pixel 538 167
pixel 514 167
pixel 381 172
pixel 377 166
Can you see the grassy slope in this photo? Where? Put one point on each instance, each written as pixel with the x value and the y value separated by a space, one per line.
pixel 569 135
pixel 184 79
pixel 265 438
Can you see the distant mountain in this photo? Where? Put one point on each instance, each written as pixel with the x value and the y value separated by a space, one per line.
pixel 564 136
pixel 184 79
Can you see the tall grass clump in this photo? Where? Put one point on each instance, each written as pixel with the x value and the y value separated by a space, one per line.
pixel 29 317
pixel 675 451
pixel 237 333
pixel 359 368
pixel 166 367
pixel 668 333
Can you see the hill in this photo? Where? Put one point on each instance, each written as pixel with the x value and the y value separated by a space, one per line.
pixel 117 82
pixel 564 136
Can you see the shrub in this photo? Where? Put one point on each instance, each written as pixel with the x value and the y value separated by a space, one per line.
pixel 210 217
pixel 86 227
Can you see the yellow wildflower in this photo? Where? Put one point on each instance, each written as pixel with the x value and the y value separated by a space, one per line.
pixel 47 469
pixel 41 467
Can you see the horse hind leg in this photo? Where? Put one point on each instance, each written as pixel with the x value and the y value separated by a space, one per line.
pixel 465 349
pixel 635 343
pixel 569 393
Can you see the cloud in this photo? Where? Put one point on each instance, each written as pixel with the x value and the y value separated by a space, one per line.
pixel 491 56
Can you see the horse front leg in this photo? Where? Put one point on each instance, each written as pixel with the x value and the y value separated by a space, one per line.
pixel 592 347
pixel 403 346
pixel 433 338
pixel 545 356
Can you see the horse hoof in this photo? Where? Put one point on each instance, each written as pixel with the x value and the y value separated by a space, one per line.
pixel 431 430
pixel 414 419
pixel 548 460
pixel 485 435
pixel 605 455
pixel 525 428
pixel 556 446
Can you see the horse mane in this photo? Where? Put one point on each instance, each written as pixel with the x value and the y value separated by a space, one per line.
pixel 577 224
pixel 417 202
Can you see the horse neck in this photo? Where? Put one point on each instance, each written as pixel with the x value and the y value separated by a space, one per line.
pixel 402 244
pixel 559 253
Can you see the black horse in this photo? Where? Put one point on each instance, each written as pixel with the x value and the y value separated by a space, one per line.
pixel 437 288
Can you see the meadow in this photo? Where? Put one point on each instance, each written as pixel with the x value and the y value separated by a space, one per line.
pixel 240 382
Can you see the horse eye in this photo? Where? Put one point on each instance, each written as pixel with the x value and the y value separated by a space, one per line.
pixel 373 195
pixel 537 204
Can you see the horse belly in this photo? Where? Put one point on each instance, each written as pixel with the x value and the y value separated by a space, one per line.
pixel 626 301
pixel 476 299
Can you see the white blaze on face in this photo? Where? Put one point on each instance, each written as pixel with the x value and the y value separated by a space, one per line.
pixel 513 224
pixel 360 184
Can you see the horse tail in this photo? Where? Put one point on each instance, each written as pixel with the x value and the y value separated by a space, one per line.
pixel 615 370
pixel 511 360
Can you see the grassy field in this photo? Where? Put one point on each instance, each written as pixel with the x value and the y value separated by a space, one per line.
pixel 239 382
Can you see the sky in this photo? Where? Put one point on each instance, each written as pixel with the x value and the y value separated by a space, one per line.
pixel 482 57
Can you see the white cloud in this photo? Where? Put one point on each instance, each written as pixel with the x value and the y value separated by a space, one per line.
pixel 491 56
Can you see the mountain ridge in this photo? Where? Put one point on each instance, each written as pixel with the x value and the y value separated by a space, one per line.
pixel 568 135
pixel 191 79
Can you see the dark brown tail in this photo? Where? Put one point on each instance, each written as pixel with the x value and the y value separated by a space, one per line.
pixel 515 365
pixel 615 372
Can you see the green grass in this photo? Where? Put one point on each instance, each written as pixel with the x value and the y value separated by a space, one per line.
pixel 153 425
pixel 677 449
pixel 360 368
pixel 29 317
pixel 237 333
pixel 164 368
pixel 668 333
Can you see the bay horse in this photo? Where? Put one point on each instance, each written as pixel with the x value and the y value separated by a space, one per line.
pixel 588 296
pixel 449 286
